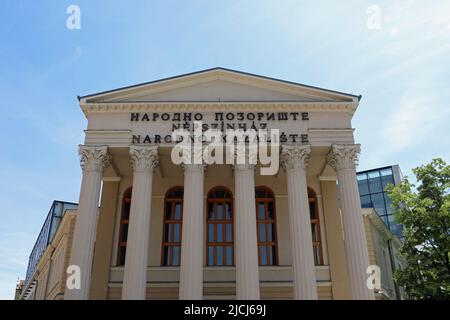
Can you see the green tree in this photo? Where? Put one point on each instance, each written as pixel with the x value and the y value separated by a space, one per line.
pixel 424 213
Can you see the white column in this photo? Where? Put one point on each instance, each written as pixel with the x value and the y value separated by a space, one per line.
pixel 343 159
pixel 246 245
pixel 294 160
pixel 143 161
pixel 93 159
pixel 191 266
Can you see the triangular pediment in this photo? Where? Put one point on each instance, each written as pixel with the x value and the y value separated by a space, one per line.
pixel 219 85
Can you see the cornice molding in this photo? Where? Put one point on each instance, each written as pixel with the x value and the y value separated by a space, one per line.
pixel 120 107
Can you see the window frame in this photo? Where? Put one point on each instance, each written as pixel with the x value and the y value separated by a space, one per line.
pixel 172 221
pixel 224 244
pixel 266 221
pixel 312 197
pixel 122 245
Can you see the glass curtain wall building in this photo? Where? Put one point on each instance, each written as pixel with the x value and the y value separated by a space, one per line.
pixel 371 184
pixel 47 233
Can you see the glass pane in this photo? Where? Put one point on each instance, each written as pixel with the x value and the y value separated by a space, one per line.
pixel 362 184
pixel 271 235
pixel 314 231
pixel 270 210
pixel 274 255
pixel 229 261
pixel 219 211
pixel 210 256
pixel 168 210
pixel 229 232
pixel 210 232
pixel 210 210
pixel 126 213
pixel 263 253
pixel 385 180
pixel 169 252
pixel 260 193
pixel 122 254
pixel 228 211
pixel 378 203
pixel 389 208
pixel 219 194
pixel 219 256
pixel 177 233
pixel 261 210
pixel 316 255
pixel 262 231
pixel 269 256
pixel 176 255
pixel 168 233
pixel 366 202
pixel 312 209
pixel 178 211
pixel 219 232
pixel 374 182
pixel 385 220
pixel 124 232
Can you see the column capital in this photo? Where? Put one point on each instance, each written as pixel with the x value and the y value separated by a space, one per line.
pixel 94 158
pixel 144 158
pixel 295 157
pixel 343 156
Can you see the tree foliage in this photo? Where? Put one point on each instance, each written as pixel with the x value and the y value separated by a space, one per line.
pixel 424 213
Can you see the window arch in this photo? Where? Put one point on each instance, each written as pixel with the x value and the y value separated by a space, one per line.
pixel 173 219
pixel 123 230
pixel 315 227
pixel 266 227
pixel 220 233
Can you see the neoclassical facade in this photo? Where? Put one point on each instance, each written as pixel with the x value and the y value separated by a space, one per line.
pixel 211 231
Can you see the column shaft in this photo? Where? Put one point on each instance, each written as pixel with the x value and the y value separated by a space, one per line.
pixel 295 160
pixel 246 245
pixel 343 159
pixel 94 160
pixel 191 267
pixel 143 161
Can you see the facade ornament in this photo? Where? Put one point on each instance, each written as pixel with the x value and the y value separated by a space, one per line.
pixel 94 158
pixel 344 156
pixel 144 158
pixel 295 157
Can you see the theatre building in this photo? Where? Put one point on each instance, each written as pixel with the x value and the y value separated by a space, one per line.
pixel 147 228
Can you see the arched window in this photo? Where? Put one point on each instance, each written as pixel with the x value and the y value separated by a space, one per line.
pixel 220 235
pixel 173 218
pixel 123 230
pixel 315 227
pixel 266 227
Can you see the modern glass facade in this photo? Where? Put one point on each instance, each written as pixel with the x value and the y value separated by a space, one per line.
pixel 47 233
pixel 371 184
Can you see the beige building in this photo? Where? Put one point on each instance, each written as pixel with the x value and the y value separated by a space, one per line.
pixel 215 231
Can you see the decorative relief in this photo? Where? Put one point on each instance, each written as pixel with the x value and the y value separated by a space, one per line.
pixel 344 156
pixel 144 158
pixel 295 157
pixel 93 158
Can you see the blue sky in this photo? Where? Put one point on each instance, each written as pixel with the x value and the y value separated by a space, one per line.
pixel 402 69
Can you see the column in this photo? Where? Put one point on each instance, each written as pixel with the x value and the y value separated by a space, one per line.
pixel 246 243
pixel 294 160
pixel 93 160
pixel 343 159
pixel 143 161
pixel 191 266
